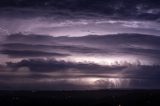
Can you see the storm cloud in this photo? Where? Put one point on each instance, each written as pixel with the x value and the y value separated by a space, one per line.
pixel 145 47
pixel 61 73
pixel 64 72
pixel 79 44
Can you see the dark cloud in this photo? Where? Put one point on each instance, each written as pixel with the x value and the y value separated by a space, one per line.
pixel 122 39
pixel 139 9
pixel 29 53
pixel 53 47
pixel 137 45
pixel 32 85
pixel 131 71
pixel 58 74
pixel 142 51
pixel 29 39
pixel 53 65
pixel 62 22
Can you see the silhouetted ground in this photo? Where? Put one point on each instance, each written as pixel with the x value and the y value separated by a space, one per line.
pixel 81 98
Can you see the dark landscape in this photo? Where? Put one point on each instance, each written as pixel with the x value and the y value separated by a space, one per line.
pixel 81 98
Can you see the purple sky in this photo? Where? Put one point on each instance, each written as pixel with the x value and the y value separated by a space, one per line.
pixel 84 45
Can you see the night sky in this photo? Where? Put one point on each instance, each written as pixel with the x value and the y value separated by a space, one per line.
pixel 79 44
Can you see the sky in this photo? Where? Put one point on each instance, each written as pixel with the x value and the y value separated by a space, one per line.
pixel 79 44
